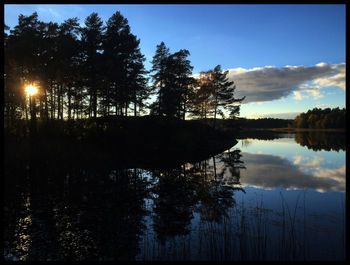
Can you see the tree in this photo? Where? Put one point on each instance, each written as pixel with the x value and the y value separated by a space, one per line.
pixel 224 94
pixel 202 103
pixel 69 54
pixel 173 81
pixel 123 67
pixel 23 47
pixel 215 95
pixel 182 79
pixel 159 62
pixel 91 36
pixel 13 96
pixel 321 119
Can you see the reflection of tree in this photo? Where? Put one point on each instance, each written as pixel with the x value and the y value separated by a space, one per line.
pixel 77 214
pixel 178 191
pixel 260 134
pixel 174 199
pixel 321 140
pixel 217 193
pixel 55 210
pixel 118 209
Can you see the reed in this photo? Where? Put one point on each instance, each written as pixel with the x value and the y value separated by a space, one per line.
pixel 247 233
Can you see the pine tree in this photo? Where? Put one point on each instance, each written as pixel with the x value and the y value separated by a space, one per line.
pixel 123 66
pixel 159 62
pixel 172 80
pixel 225 93
pixel 92 45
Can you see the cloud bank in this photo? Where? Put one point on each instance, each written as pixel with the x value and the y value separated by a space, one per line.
pixel 270 83
pixel 269 172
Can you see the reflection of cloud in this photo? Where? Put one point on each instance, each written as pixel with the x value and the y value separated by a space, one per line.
pixel 304 163
pixel 269 171
pixel 337 175
pixel 297 160
pixel 271 83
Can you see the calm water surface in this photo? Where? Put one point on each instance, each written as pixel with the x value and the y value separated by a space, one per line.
pixel 281 199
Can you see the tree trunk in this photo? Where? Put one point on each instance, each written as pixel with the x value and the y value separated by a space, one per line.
pixel 46 107
pixel 58 102
pixel 32 118
pixel 26 110
pixel 69 103
pixel 90 105
pixel 95 103
pixel 184 114
pixel 160 97
pixel 41 109
pixel 52 101
pixel 62 103
pixel 216 106
pixel 107 102
pixel 214 164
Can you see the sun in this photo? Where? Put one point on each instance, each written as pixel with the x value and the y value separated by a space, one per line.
pixel 31 90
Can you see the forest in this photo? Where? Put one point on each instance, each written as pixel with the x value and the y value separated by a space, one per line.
pixel 265 123
pixel 67 72
pixel 321 119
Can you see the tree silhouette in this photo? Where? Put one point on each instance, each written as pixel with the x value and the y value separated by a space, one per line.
pixel 321 119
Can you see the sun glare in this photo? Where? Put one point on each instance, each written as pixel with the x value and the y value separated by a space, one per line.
pixel 31 90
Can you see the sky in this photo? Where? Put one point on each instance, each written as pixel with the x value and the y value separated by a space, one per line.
pixel 285 59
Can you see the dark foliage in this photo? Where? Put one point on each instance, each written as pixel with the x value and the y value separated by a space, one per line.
pixel 321 119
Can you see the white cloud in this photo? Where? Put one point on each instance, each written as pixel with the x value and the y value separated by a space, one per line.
pixel 316 93
pixel 306 92
pixel 270 83
pixel 298 95
pixel 47 11
pixel 276 115
pixel 337 79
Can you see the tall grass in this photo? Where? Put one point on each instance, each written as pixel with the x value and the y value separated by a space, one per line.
pixel 249 232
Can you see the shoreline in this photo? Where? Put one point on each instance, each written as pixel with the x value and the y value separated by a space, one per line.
pixel 293 130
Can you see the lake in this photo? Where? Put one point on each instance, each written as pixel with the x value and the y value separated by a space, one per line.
pixel 280 197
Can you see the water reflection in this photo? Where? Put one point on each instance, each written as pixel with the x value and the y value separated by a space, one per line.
pixel 315 140
pixel 96 213
pixel 270 171
pixel 65 211
pixel 78 215
pixel 322 140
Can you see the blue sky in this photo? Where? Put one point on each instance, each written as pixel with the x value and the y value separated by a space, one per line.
pixel 254 42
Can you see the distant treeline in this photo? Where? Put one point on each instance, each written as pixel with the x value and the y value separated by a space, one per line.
pixel 312 119
pixel 265 123
pixel 321 119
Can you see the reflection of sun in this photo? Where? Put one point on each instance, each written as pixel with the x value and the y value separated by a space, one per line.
pixel 31 90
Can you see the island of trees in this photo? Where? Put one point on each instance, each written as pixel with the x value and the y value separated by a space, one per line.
pixel 91 92
pixel 97 70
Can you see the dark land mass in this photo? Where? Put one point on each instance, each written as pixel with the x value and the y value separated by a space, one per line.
pixel 126 142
